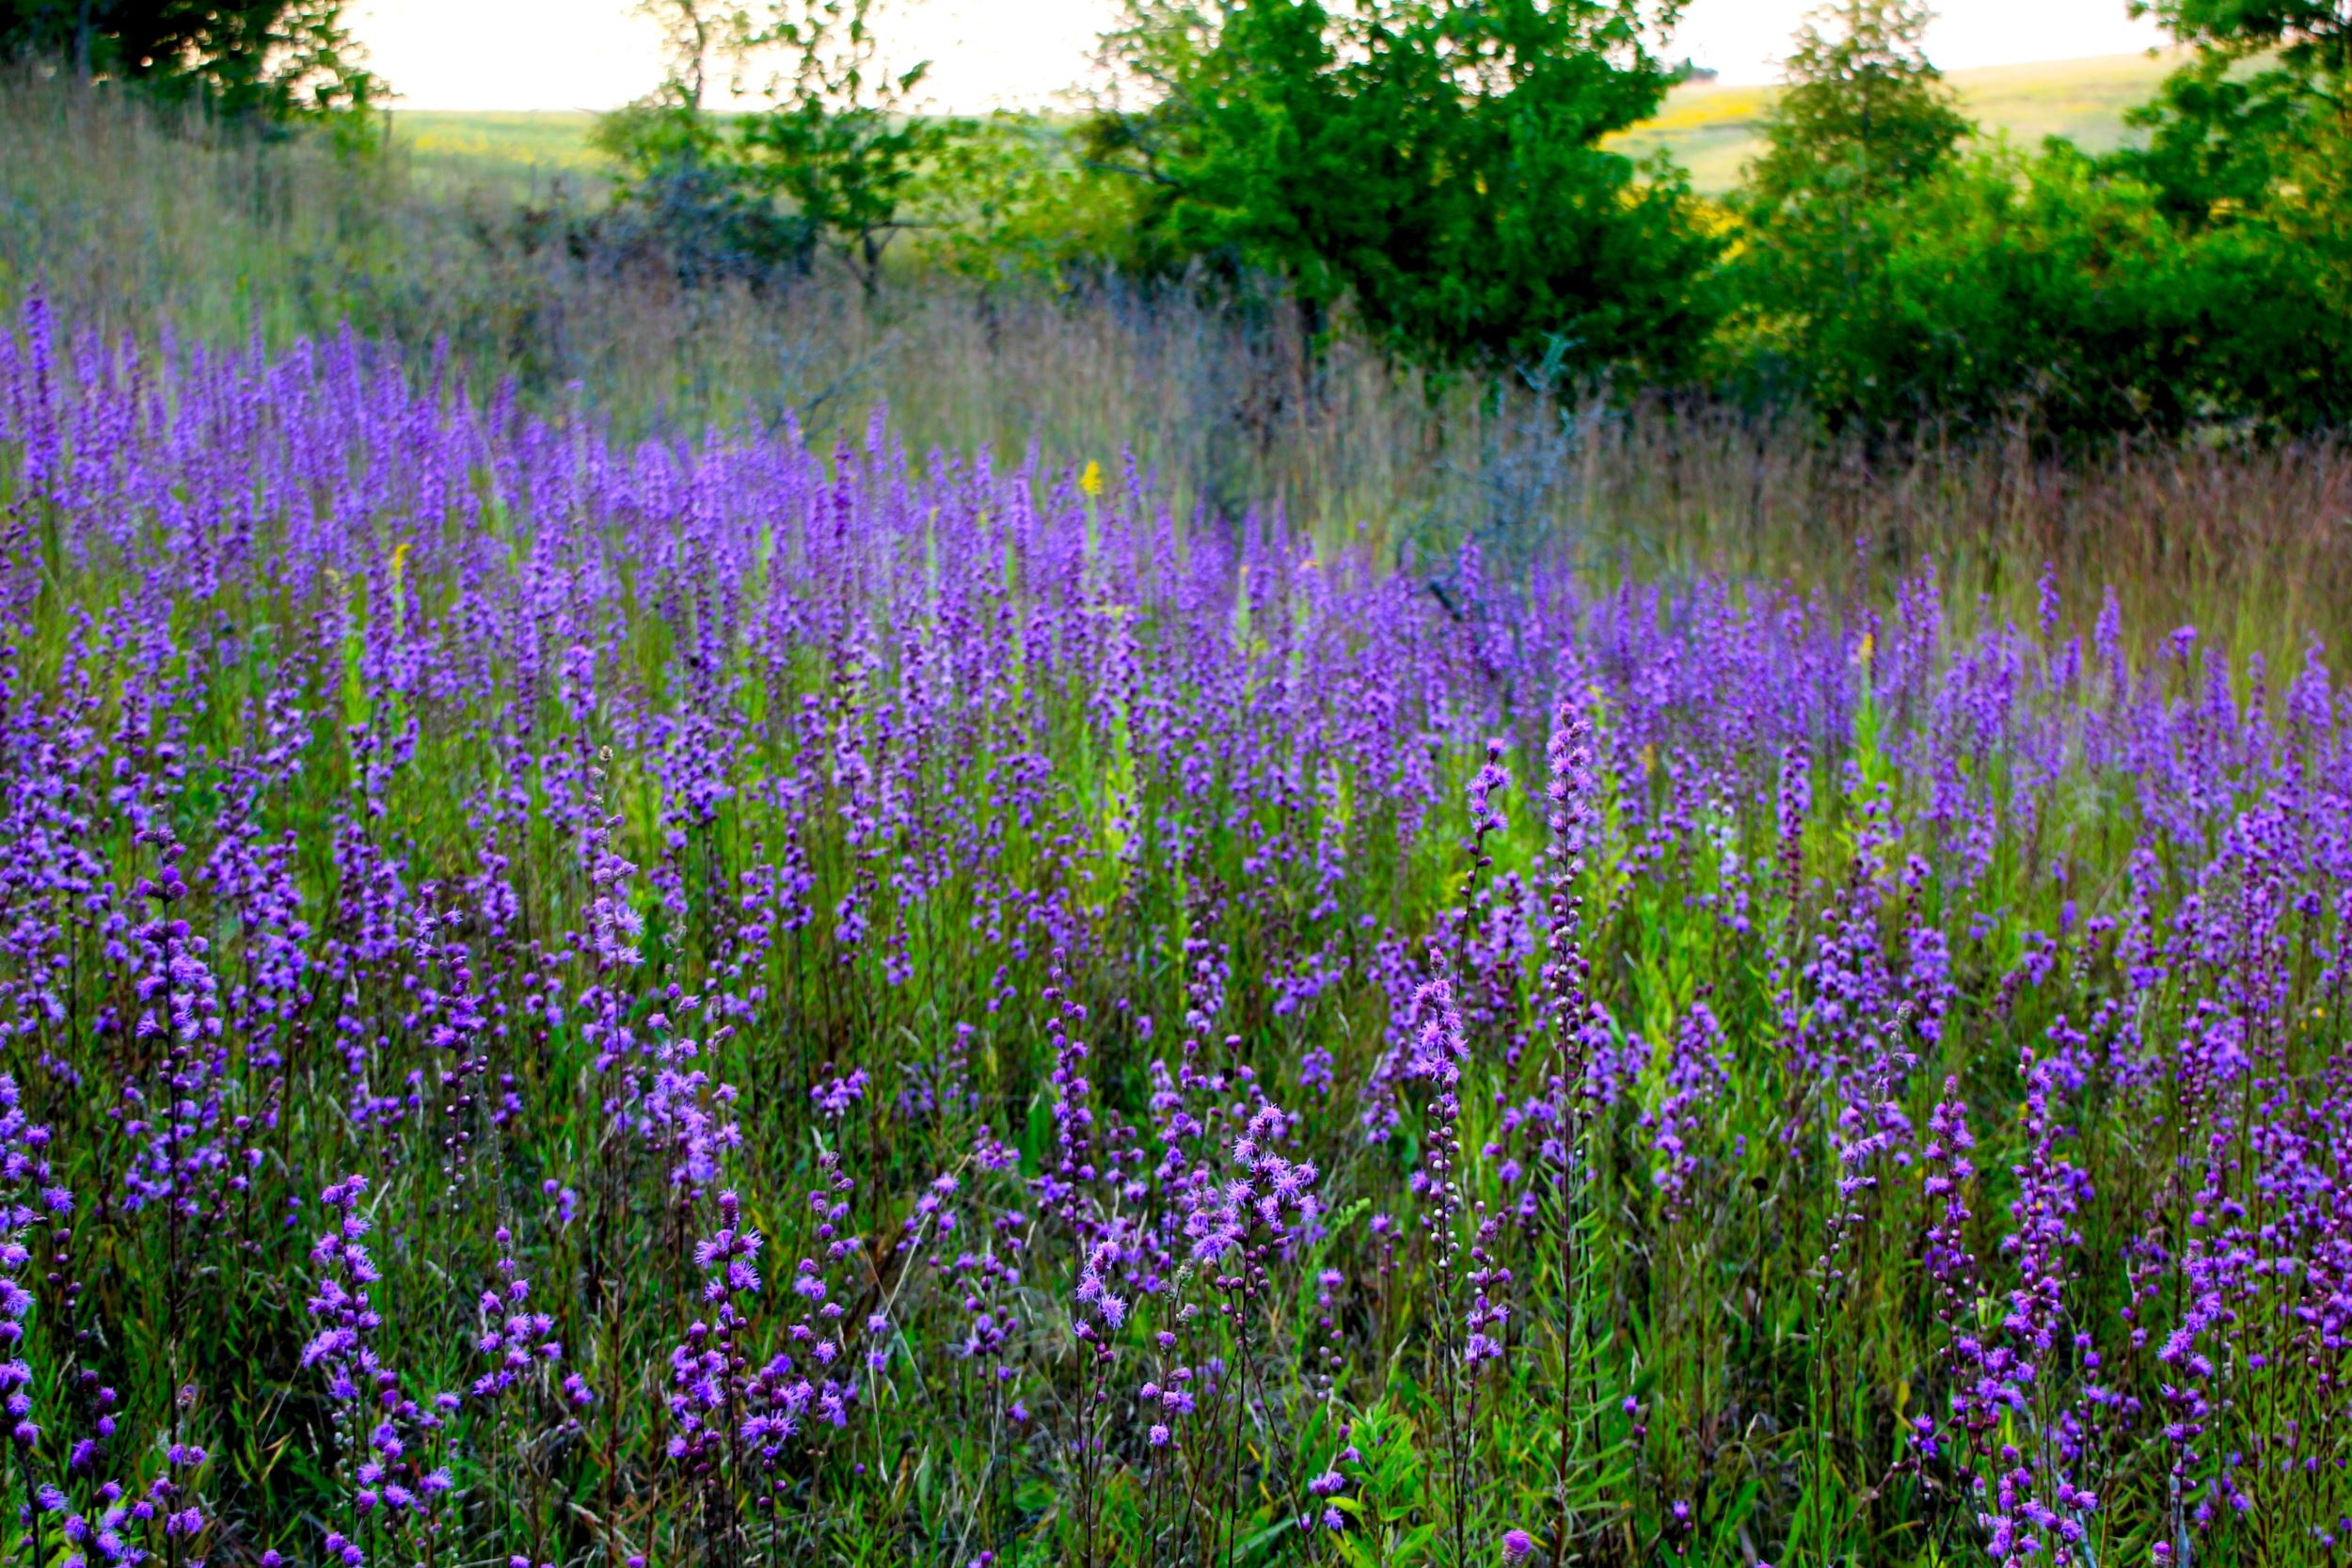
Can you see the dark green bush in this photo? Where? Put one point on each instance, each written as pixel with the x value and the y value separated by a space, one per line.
pixel 2045 289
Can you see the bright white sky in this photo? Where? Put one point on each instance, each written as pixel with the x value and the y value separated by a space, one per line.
pixel 594 54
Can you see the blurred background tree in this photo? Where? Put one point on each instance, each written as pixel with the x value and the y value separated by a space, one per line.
pixel 1863 114
pixel 2254 135
pixel 2258 111
pixel 681 190
pixel 1863 120
pixel 832 153
pixel 267 60
pixel 841 140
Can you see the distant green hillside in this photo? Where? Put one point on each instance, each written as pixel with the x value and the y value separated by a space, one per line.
pixel 516 150
pixel 1709 130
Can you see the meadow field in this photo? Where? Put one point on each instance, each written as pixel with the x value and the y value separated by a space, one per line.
pixel 652 926
pixel 1714 130
pixel 1708 129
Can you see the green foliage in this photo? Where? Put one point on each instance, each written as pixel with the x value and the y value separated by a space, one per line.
pixel 709 224
pixel 1434 162
pixel 2255 132
pixel 837 156
pixel 1886 279
pixel 682 192
pixel 693 33
pixel 2047 290
pixel 2258 107
pixel 1003 199
pixel 1865 113
pixel 2222 142
pixel 2311 39
pixel 1431 172
pixel 662 130
pixel 840 143
pixel 259 59
pixel 1863 119
pixel 681 188
pixel 1715 130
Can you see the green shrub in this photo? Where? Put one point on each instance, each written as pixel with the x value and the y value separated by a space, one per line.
pixel 1433 165
pixel 2047 290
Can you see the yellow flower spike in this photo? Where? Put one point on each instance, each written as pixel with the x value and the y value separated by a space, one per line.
pixel 1091 480
pixel 400 589
pixel 1649 758
pixel 1863 650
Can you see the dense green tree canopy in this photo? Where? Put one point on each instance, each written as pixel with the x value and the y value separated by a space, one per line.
pixel 268 58
pixel 1435 162
pixel 2259 121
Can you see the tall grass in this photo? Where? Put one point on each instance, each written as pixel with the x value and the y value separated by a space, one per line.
pixel 161 224
pixel 704 1003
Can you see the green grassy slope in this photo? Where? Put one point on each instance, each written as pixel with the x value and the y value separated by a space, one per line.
pixel 516 150
pixel 1712 129
pixel 1709 129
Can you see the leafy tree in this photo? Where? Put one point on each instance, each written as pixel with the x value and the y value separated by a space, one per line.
pixel 682 196
pixel 267 59
pixel 2261 106
pixel 837 156
pixel 2254 135
pixel 694 33
pixel 1864 112
pixel 1863 120
pixel 684 201
pixel 2309 39
pixel 841 143
pixel 1433 162
pixel 1887 280
pixel 1003 198
pixel 669 128
pixel 1863 116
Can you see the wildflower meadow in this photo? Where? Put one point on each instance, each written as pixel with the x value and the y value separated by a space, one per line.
pixel 762 1000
